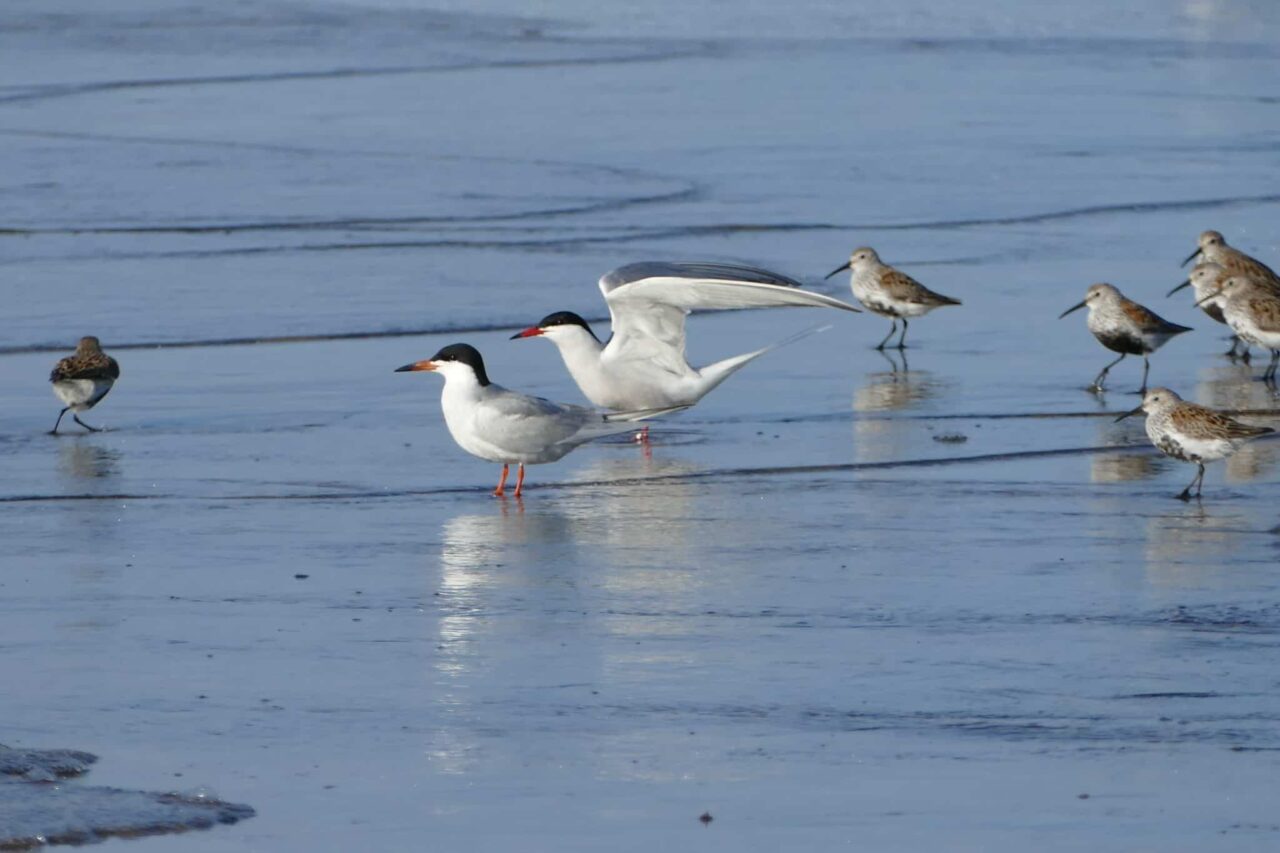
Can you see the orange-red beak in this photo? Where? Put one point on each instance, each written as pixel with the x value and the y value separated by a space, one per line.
pixel 417 365
pixel 531 332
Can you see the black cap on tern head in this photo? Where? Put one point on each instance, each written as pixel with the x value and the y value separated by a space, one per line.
pixel 563 318
pixel 459 353
pixel 466 354
pixel 559 318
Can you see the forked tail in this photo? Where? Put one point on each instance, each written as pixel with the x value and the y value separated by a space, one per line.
pixel 714 374
pixel 615 423
pixel 641 414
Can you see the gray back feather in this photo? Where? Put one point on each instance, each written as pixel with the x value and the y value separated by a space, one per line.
pixel 698 269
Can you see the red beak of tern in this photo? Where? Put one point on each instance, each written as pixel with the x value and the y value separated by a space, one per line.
pixel 531 332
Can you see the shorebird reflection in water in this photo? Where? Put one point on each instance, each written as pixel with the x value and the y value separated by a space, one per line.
pixel 1122 325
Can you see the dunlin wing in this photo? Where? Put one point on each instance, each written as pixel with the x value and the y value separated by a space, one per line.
pixel 97 366
pixel 1200 423
pixel 1264 309
pixel 903 288
pixel 1148 321
pixel 1238 263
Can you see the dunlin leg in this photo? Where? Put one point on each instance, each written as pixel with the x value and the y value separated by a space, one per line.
pixel 902 339
pixel 1269 374
pixel 892 329
pixel 502 482
pixel 519 480
pixel 54 431
pixel 1097 382
pixel 1146 368
pixel 76 418
pixel 1195 481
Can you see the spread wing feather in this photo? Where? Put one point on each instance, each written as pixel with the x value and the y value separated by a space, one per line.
pixel 648 303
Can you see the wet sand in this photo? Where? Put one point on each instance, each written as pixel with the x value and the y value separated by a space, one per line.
pixel 846 601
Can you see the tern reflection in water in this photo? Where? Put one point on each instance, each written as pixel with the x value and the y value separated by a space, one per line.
pixel 506 578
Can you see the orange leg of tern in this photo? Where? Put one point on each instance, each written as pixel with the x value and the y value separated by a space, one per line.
pixel 519 479
pixel 497 493
pixel 642 437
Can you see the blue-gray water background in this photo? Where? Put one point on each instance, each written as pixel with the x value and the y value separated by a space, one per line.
pixel 781 617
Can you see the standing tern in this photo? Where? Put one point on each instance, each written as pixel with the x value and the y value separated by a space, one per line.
pixel 500 425
pixel 82 380
pixel 643 364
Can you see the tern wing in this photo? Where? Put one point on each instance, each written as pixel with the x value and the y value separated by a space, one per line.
pixel 648 303
pixel 530 424
pixel 527 423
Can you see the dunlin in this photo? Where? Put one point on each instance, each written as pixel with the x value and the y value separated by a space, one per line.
pixel 1122 325
pixel 499 425
pixel 1206 279
pixel 1253 312
pixel 1191 433
pixel 82 380
pixel 888 292
pixel 1212 247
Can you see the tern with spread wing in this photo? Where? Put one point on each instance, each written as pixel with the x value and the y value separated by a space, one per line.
pixel 499 425
pixel 643 365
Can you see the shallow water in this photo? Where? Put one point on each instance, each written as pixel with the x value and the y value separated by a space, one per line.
pixel 846 601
